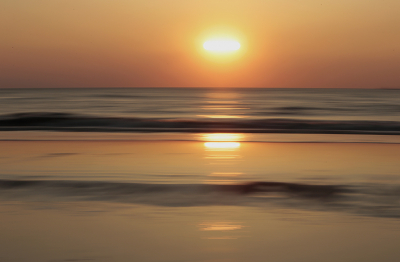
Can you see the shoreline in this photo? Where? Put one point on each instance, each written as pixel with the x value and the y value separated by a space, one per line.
pixel 116 200
pixel 159 136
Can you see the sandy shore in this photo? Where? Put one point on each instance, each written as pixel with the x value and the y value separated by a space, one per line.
pixel 92 231
pixel 198 161
pixel 53 229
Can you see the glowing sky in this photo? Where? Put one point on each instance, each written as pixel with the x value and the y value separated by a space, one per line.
pixel 140 43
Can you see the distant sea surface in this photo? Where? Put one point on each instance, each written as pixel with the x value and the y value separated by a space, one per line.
pixel 222 166
pixel 246 110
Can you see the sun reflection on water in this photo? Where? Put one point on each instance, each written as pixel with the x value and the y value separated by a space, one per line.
pixel 225 174
pixel 219 227
pixel 222 137
pixel 222 230
pixel 222 141
pixel 220 116
pixel 223 104
pixel 222 145
pixel 222 150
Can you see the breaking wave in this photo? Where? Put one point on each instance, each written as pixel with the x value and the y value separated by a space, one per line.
pixel 84 123
pixel 377 200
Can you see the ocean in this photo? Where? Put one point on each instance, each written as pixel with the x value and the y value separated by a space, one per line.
pixel 244 110
pixel 220 172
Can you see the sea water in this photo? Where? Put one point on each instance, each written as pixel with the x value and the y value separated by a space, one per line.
pixel 174 174
pixel 227 158
pixel 195 110
pixel 205 103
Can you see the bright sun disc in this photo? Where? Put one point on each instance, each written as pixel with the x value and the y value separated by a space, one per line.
pixel 221 45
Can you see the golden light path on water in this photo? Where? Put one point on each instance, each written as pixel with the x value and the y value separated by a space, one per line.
pixel 222 145
pixel 219 137
pixel 222 151
pixel 222 141
pixel 223 104
pixel 219 116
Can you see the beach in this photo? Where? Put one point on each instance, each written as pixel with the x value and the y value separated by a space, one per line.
pixel 199 131
pixel 70 217
pixel 88 231
pixel 205 175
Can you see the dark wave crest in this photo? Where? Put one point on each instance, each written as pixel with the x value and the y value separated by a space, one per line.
pixel 84 123
pixel 376 200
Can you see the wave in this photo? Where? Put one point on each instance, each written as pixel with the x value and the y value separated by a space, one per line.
pixel 377 200
pixel 344 110
pixel 84 123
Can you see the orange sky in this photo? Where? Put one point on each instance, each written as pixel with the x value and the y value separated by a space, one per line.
pixel 140 43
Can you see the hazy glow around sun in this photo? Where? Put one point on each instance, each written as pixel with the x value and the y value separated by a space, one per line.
pixel 221 45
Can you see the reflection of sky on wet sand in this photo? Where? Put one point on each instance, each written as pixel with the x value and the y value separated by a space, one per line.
pixel 221 141
pixel 222 145
pixel 222 137
pixel 221 230
pixel 192 162
pixel 224 226
pixel 93 231
pixel 207 233
pixel 222 150
pixel 219 116
pixel 225 174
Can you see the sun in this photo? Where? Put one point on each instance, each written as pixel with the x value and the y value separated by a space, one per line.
pixel 221 45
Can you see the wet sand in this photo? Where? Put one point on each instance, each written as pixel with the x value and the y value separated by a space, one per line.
pixel 196 161
pixel 87 231
pixel 46 228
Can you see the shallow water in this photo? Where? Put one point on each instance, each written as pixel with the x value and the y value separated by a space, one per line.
pixel 355 178
pixel 137 200
pixel 185 192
